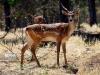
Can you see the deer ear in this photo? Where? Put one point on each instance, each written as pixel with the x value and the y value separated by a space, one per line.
pixel 77 12
pixel 64 12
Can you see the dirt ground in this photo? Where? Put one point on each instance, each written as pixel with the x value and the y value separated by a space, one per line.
pixel 86 58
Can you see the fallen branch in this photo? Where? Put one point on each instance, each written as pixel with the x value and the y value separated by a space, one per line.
pixel 10 50
pixel 4 35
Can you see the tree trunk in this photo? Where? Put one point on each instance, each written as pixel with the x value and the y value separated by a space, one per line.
pixel 92 12
pixel 45 15
pixel 7 15
pixel 66 4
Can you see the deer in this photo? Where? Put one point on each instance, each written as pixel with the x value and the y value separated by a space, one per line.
pixel 56 32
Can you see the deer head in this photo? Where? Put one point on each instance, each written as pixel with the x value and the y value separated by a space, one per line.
pixel 72 15
pixel 39 19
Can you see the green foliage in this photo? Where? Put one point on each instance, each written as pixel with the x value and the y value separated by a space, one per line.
pixel 13 2
pixel 35 7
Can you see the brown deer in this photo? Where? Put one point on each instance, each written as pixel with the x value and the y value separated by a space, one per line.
pixel 56 32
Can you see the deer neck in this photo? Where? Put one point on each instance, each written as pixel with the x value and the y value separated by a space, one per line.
pixel 72 25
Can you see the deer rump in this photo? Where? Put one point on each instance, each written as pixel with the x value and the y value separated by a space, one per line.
pixel 47 32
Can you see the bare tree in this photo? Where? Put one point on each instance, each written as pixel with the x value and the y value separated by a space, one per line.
pixel 92 12
pixel 7 17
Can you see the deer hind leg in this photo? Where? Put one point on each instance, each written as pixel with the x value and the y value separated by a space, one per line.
pixel 22 54
pixel 33 48
pixel 58 51
pixel 32 58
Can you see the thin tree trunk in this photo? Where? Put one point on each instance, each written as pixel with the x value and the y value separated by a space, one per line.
pixel 45 15
pixel 66 4
pixel 7 15
pixel 7 18
pixel 92 12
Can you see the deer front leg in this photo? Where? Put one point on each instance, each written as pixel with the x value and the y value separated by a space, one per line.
pixel 64 51
pixel 58 51
pixel 33 48
pixel 22 54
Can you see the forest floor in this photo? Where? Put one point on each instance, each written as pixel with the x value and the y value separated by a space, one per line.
pixel 81 56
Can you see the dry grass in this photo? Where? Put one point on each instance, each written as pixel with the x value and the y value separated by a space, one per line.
pixel 88 28
pixel 80 55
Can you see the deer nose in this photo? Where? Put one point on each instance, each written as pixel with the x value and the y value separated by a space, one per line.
pixel 70 20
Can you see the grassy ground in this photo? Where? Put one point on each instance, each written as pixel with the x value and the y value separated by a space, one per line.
pixel 86 58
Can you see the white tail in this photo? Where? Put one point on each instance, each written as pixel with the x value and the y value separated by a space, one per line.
pixel 58 32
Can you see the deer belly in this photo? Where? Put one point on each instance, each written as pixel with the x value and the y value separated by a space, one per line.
pixel 53 39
